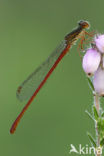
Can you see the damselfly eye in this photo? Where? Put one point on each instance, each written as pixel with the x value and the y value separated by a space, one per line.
pixel 84 24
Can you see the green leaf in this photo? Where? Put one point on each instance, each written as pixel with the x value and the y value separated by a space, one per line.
pixel 90 116
pixel 102 115
pixel 100 127
pixel 102 142
pixel 96 115
pixel 90 83
pixel 93 142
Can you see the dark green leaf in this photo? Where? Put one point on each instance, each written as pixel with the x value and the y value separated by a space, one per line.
pixel 102 142
pixel 100 126
pixel 93 142
pixel 102 115
pixel 96 115
pixel 90 83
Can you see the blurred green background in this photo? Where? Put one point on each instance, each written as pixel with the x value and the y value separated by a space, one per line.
pixel 29 31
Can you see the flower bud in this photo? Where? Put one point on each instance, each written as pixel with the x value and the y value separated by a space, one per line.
pixel 91 61
pixel 99 41
pixel 98 81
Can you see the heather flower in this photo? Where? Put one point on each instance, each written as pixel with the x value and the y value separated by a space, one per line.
pixel 91 61
pixel 99 41
pixel 98 81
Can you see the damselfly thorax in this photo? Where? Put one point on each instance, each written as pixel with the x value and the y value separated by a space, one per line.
pixel 79 32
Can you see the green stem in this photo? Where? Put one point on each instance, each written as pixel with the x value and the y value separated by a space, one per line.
pixel 97 105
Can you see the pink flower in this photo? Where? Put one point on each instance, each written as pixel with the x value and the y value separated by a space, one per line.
pixel 98 81
pixel 91 61
pixel 99 41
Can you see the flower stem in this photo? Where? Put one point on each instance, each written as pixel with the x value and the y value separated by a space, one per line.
pixel 97 105
pixel 97 102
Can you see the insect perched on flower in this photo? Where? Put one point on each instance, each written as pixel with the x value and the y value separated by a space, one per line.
pixel 31 86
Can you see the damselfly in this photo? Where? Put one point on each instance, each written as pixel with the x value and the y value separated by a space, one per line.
pixel 31 86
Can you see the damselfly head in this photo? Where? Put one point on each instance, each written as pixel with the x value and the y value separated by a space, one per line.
pixel 84 24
